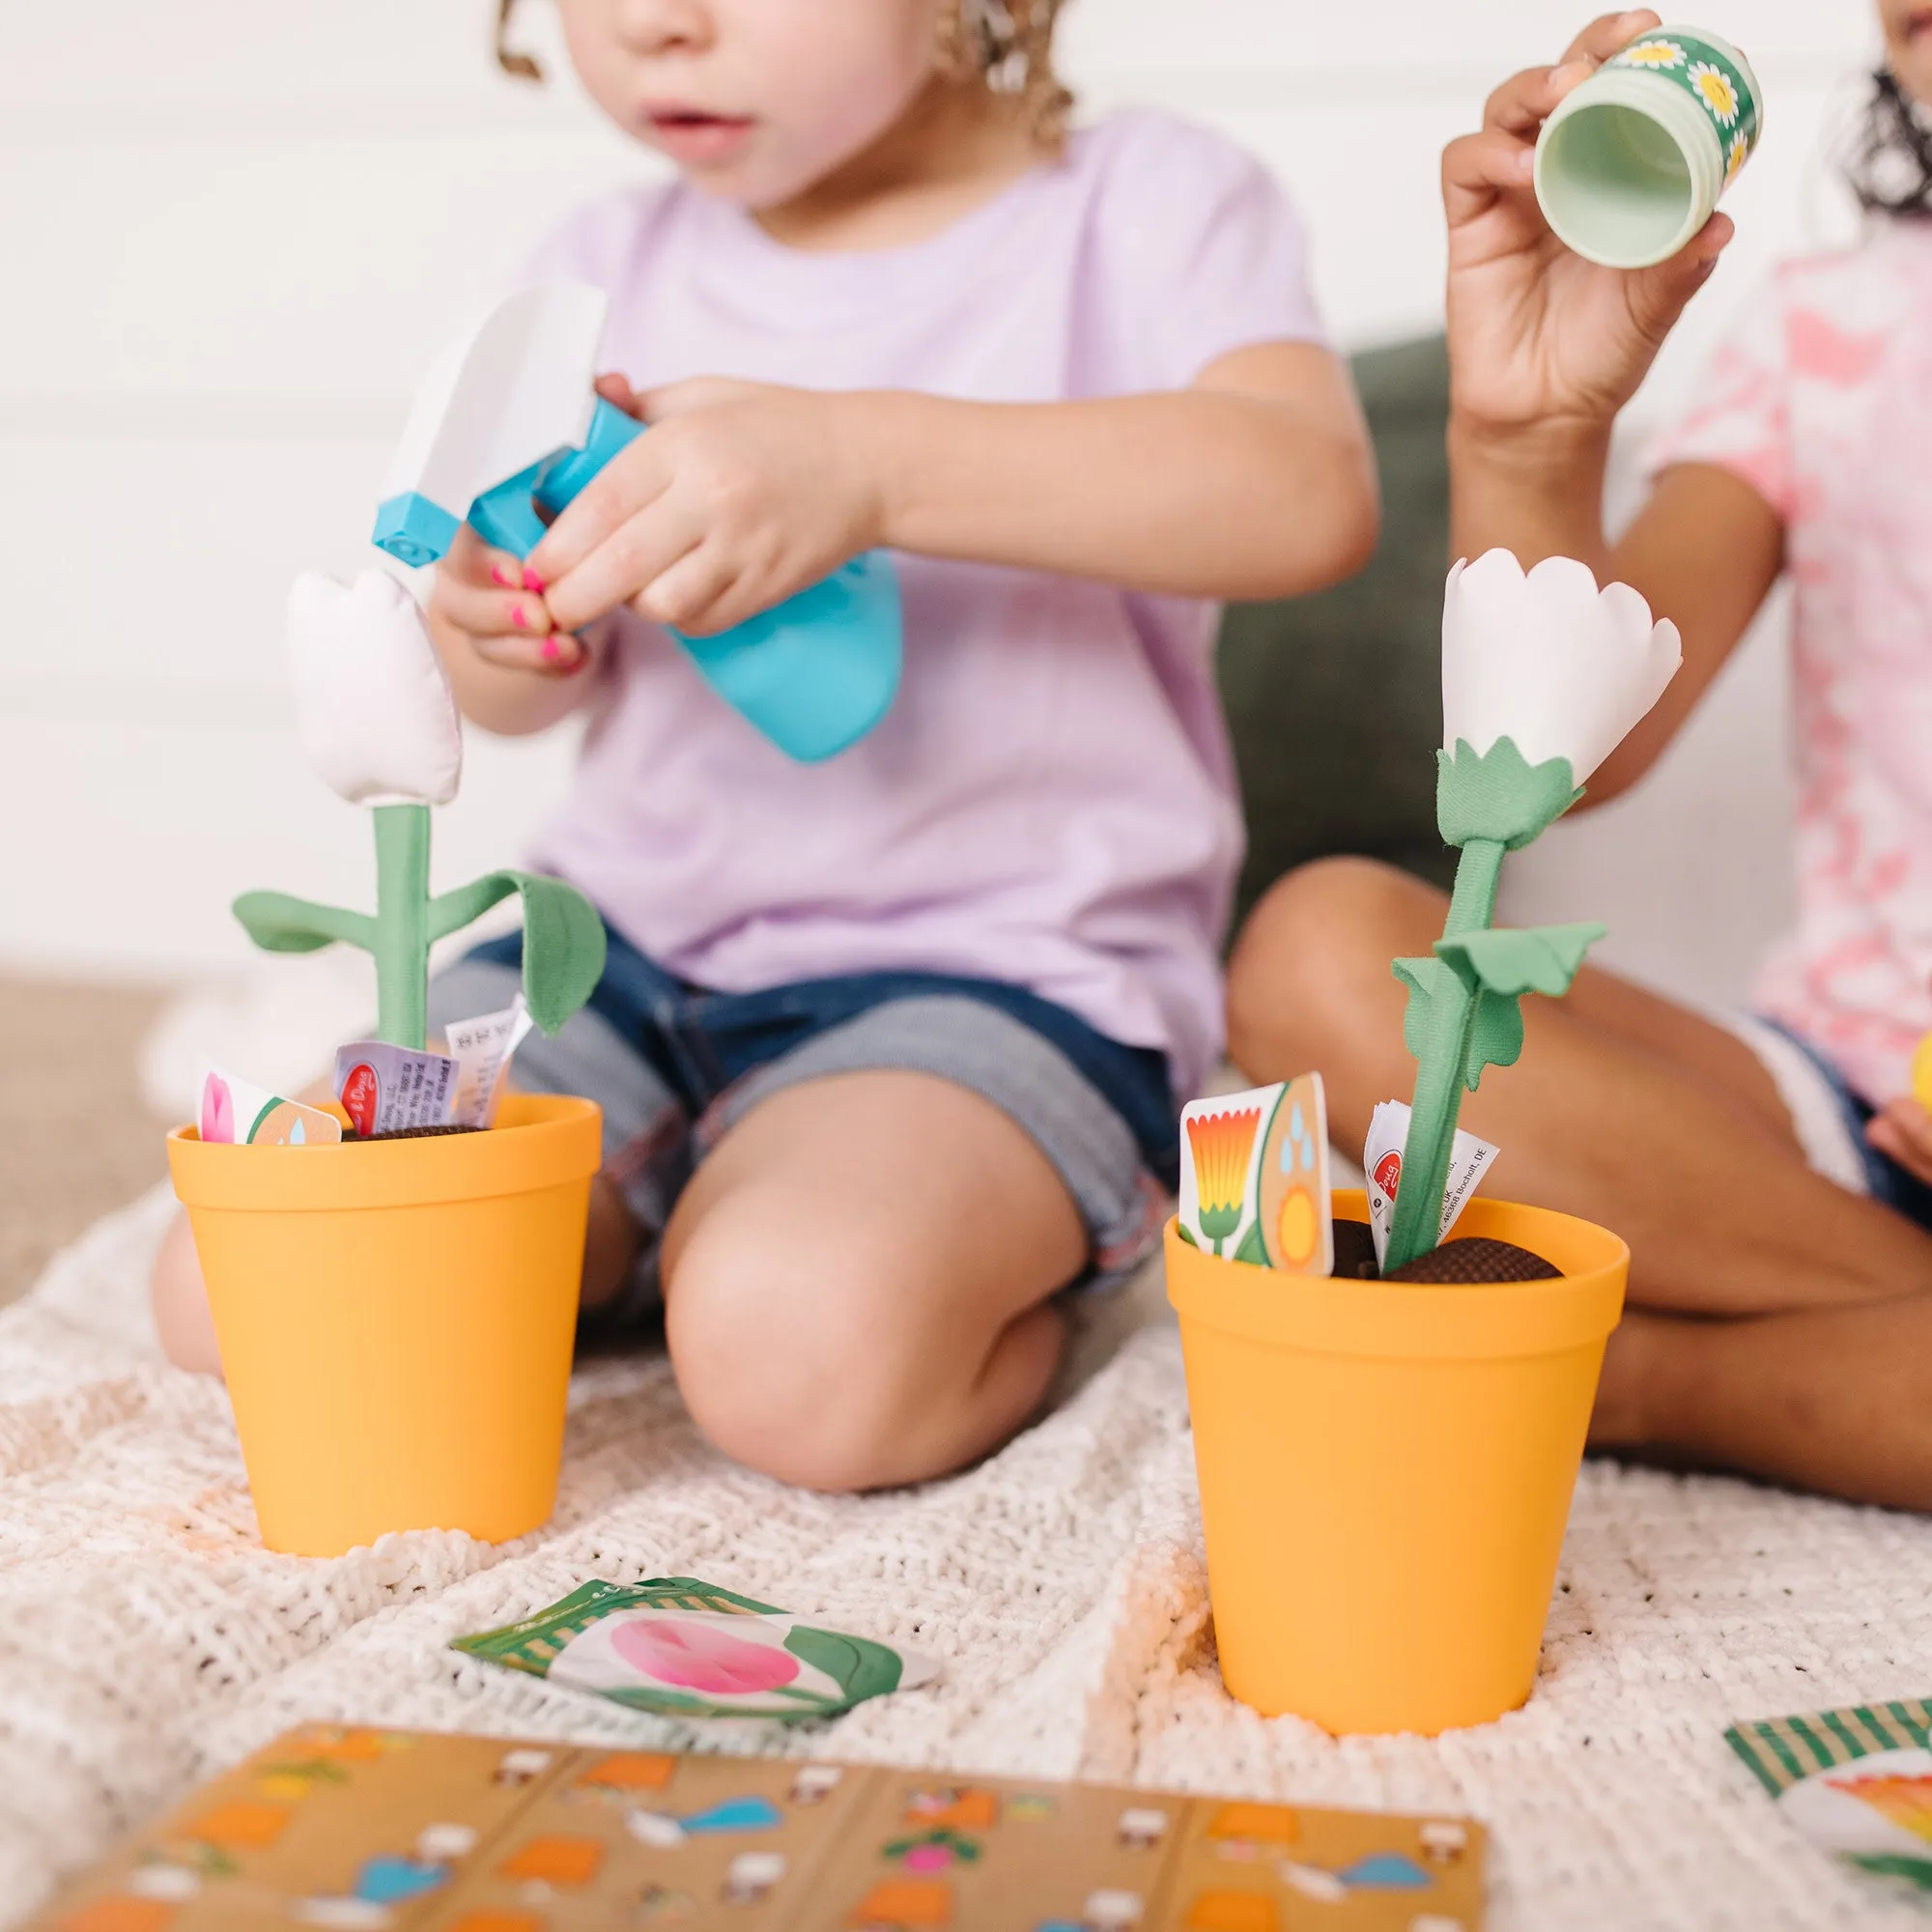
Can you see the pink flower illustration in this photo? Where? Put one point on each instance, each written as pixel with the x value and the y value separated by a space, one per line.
pixel 218 1110
pixel 701 1657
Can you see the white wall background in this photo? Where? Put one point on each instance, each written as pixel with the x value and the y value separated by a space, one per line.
pixel 232 231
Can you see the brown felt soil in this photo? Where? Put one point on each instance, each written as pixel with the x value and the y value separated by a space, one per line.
pixel 1469 1261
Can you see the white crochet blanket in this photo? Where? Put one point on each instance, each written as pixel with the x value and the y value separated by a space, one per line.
pixel 146 1640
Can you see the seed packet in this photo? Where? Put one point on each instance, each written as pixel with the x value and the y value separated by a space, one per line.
pixel 1857 1781
pixel 235 1110
pixel 385 1087
pixel 689 1649
pixel 481 1049
pixel 1254 1176
pixel 1381 1161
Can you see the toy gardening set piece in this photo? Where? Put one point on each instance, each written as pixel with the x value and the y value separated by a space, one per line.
pixel 373 1830
pixel 1386 1454
pixel 1857 1782
pixel 396 1318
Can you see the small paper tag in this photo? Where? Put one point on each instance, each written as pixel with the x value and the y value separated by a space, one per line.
pixel 238 1112
pixel 1381 1161
pixel 1293 1203
pixel 384 1088
pixel 482 1048
pixel 1254 1176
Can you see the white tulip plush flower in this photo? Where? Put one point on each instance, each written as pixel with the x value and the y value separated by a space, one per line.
pixel 374 709
pixel 1549 660
pixel 1542 677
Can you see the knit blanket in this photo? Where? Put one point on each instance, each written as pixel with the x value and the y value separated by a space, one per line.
pixel 150 1640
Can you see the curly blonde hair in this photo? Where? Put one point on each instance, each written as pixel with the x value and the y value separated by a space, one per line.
pixel 1007 44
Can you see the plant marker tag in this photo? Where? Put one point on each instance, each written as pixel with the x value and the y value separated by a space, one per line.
pixel 1381 1161
pixel 236 1111
pixel 690 1649
pixel 1254 1176
pixel 384 1088
pixel 482 1048
pixel 1293 1203
pixel 1220 1143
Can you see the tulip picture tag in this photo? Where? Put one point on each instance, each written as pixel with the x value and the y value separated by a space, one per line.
pixel 689 1649
pixel 1470 1159
pixel 1254 1176
pixel 237 1112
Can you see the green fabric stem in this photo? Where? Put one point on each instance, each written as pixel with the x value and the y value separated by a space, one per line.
pixel 402 925
pixel 1447 1010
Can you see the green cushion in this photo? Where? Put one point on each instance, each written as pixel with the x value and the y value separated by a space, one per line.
pixel 1335 701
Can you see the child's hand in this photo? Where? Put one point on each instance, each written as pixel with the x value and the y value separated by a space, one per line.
pixel 496 604
pixel 1903 1129
pixel 740 494
pixel 1537 335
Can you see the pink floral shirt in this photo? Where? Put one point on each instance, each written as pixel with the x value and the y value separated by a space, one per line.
pixel 1822 401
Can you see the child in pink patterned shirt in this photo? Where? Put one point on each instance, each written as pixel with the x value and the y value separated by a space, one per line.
pixel 1774 1178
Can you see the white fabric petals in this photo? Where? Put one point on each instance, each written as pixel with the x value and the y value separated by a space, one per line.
pixel 1549 660
pixel 374 710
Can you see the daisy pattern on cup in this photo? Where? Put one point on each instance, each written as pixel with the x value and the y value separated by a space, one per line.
pixel 1717 90
pixel 1651 54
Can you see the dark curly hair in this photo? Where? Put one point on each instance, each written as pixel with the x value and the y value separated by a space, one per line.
pixel 1890 166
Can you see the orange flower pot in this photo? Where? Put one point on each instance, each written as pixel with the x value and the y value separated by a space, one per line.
pixel 396 1322
pixel 1386 1470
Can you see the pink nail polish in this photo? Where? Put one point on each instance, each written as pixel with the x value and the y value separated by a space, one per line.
pixel 519 619
pixel 550 650
pixel 532 581
pixel 501 577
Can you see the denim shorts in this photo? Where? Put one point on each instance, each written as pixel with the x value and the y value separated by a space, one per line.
pixel 674 1067
pixel 1850 1112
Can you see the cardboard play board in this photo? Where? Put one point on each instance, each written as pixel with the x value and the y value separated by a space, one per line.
pixel 367 1831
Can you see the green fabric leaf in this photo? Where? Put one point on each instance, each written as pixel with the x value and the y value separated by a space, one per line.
pixel 450 912
pixel 1425 978
pixel 278 924
pixel 1499 795
pixel 1495 1036
pixel 563 937
pixel 859 1666
pixel 1536 959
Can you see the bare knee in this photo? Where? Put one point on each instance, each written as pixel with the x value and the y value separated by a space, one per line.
pixel 180 1300
pixel 1309 983
pixel 779 1360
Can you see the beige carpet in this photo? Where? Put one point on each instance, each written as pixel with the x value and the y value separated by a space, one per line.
pixel 76 1136
pixel 151 1638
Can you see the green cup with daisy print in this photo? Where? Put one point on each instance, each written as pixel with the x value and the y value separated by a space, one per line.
pixel 1632 163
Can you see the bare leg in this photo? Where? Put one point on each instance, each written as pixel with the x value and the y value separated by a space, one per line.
pixel 1639 1115
pixel 856 1281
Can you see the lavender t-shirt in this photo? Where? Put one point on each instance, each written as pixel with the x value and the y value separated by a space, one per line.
pixel 1051 800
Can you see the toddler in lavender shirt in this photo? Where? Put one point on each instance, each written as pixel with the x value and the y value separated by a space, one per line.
pixel 889 1047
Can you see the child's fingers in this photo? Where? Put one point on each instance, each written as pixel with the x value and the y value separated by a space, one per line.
pixel 1479 167
pixel 690 593
pixel 617 390
pixel 633 480
pixel 474 561
pixel 1522 102
pixel 560 653
pixel 627 561
pixel 1610 33
pixel 484 611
